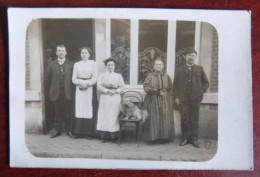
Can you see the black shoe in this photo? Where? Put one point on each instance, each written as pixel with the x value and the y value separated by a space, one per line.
pixel 184 142
pixel 71 135
pixel 114 140
pixel 89 138
pixel 55 134
pixel 196 144
pixel 163 141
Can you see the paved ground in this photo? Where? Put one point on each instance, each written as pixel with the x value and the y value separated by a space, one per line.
pixel 63 146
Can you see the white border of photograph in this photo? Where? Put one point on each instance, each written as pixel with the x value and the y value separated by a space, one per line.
pixel 235 115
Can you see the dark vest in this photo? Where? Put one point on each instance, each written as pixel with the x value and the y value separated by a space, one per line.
pixel 61 79
pixel 189 81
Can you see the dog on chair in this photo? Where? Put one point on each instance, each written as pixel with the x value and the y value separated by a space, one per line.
pixel 130 111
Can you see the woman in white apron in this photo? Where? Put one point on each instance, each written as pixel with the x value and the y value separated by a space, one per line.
pixel 84 76
pixel 110 85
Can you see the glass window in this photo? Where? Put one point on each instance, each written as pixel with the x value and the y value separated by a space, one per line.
pixel 185 37
pixel 120 46
pixel 152 42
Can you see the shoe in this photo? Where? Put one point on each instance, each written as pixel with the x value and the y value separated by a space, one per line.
pixel 184 142
pixel 163 141
pixel 196 144
pixel 114 140
pixel 55 134
pixel 71 135
pixel 104 140
pixel 89 138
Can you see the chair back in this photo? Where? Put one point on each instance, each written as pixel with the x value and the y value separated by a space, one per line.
pixel 134 96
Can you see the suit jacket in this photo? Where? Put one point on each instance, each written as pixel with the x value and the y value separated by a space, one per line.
pixel 52 79
pixel 199 81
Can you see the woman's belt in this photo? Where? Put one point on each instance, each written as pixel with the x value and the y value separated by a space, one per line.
pixel 83 88
pixel 162 90
pixel 109 87
pixel 83 78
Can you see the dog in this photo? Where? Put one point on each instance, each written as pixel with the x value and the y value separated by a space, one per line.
pixel 130 111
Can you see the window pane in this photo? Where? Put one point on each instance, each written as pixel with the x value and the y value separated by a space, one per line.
pixel 153 36
pixel 185 37
pixel 120 46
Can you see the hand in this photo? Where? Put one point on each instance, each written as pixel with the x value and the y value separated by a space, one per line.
pixel 86 84
pixel 111 86
pixel 83 85
pixel 82 88
pixel 161 92
pixel 177 101
pixel 154 91
pixel 111 92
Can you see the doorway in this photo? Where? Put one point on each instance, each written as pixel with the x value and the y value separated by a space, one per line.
pixel 73 34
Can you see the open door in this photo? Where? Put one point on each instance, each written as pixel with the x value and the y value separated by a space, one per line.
pixel 73 33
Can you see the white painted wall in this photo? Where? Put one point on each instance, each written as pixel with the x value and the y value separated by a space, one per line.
pixel 34 97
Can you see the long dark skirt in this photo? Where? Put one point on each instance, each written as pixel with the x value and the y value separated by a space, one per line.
pixel 108 135
pixel 160 125
pixel 83 126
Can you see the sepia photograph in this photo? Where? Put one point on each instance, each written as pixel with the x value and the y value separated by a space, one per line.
pixel 119 87
pixel 158 85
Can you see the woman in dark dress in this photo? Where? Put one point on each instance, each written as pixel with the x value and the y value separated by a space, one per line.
pixel 159 104
pixel 85 74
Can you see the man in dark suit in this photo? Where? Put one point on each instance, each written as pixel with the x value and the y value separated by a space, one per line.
pixel 59 84
pixel 190 82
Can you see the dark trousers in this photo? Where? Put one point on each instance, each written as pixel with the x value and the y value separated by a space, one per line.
pixel 190 119
pixel 62 109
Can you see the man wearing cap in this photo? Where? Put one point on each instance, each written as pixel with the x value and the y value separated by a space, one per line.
pixel 190 82
pixel 59 84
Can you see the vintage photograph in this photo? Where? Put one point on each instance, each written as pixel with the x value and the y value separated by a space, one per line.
pixel 132 89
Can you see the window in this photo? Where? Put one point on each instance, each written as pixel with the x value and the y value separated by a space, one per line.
pixel 152 45
pixel 185 37
pixel 151 42
pixel 120 46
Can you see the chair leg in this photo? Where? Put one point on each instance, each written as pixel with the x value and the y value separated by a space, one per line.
pixel 120 134
pixel 137 133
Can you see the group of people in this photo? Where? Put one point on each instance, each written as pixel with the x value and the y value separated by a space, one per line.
pixel 62 74
pixel 190 82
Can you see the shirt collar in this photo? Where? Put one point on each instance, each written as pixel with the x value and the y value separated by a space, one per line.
pixel 159 72
pixel 61 60
pixel 190 65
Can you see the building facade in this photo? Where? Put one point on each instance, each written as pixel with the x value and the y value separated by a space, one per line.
pixel 135 43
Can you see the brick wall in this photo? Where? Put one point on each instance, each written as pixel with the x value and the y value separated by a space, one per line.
pixel 213 87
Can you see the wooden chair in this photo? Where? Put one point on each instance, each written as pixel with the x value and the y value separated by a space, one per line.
pixel 136 98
